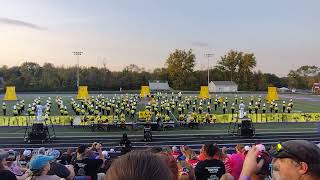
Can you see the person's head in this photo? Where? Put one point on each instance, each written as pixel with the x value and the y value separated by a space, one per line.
pixel 240 148
pixel 139 165
pixel 27 154
pixel 3 156
pixel 40 164
pixel 186 172
pixel 174 149
pixel 54 153
pixel 190 154
pixel 211 150
pixel 296 159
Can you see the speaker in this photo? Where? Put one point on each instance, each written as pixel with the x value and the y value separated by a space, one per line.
pixel 147 134
pixel 37 127
pixel 38 133
pixel 246 128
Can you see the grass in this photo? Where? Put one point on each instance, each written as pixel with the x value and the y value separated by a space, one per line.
pixel 217 128
pixel 302 103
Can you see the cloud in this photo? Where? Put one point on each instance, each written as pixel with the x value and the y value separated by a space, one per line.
pixel 20 23
pixel 200 44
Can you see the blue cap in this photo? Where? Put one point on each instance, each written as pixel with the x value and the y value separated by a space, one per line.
pixel 39 161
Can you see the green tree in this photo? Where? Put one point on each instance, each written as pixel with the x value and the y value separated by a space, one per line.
pixel 180 66
pixel 230 62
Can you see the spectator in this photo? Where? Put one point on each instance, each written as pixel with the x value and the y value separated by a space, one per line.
pixel 183 150
pixel 25 158
pixel 294 159
pixel 186 171
pixel 171 163
pixel 234 162
pixel 125 144
pixel 191 157
pixel 66 172
pixel 14 166
pixel 139 165
pixel 175 152
pixel 202 155
pixel 4 172
pixel 211 168
pixel 264 161
pixel 66 157
pixel 86 163
pixel 40 166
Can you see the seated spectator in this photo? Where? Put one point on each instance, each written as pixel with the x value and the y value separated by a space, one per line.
pixel 125 144
pixel 25 158
pixel 86 162
pixel 183 150
pixel 175 152
pixel 191 157
pixel 186 171
pixel 14 166
pixel 212 167
pixel 264 161
pixel 202 155
pixel 294 160
pixel 40 166
pixel 139 165
pixel 66 157
pixel 234 162
pixel 63 171
pixel 4 172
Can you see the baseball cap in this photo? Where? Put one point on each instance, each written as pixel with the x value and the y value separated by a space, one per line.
pixel 54 153
pixel 26 153
pixel 3 154
pixel 301 150
pixel 40 161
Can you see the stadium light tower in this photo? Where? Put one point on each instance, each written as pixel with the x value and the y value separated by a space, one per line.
pixel 77 53
pixel 208 55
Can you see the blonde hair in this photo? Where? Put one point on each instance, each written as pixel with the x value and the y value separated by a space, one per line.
pixel 186 172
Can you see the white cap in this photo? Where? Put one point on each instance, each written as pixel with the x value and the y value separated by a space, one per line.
pixel 261 147
pixel 112 150
pixel 247 148
pixel 174 149
pixel 26 153
pixel 105 154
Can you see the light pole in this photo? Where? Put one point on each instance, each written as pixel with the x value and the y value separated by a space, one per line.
pixel 208 55
pixel 77 53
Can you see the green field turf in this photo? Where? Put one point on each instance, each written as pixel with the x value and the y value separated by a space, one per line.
pixel 302 103
pixel 217 128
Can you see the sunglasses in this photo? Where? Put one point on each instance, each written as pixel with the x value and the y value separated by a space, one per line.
pixel 280 148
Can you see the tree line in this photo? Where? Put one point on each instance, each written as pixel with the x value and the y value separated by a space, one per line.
pixel 179 70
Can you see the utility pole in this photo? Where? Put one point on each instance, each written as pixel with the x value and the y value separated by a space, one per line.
pixel 78 53
pixel 208 55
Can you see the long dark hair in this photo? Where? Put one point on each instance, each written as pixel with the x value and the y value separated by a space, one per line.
pixel 139 165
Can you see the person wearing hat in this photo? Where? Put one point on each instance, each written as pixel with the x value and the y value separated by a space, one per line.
pixel 4 108
pixel 40 166
pixel 66 172
pixel 15 167
pixel 5 173
pixel 293 160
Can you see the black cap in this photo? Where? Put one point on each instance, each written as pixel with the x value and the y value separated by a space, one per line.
pixel 300 150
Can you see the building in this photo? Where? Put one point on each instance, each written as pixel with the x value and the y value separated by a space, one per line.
pixel 223 86
pixel 159 85
pixel 316 88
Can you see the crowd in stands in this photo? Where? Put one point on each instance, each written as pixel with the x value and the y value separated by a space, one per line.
pixel 289 160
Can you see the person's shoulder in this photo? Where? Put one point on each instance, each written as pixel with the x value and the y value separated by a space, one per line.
pixel 6 174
